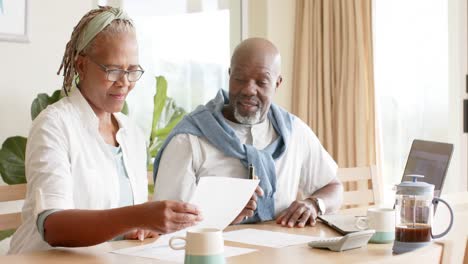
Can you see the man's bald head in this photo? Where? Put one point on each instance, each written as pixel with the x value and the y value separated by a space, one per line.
pixel 254 77
pixel 257 51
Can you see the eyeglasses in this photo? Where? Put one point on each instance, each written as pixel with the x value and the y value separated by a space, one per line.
pixel 114 75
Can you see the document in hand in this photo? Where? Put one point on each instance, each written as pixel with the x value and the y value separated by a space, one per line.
pixel 221 199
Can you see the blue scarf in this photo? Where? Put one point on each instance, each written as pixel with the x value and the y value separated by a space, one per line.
pixel 208 121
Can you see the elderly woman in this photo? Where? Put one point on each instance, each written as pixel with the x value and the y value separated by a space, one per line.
pixel 85 161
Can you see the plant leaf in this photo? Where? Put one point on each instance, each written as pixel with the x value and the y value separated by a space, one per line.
pixel 6 233
pixel 12 155
pixel 164 132
pixel 159 103
pixel 161 134
pixel 155 146
pixel 150 189
pixel 125 109
pixel 166 115
pixel 42 101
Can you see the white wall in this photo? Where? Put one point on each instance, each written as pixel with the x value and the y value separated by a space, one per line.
pixel 274 20
pixel 27 69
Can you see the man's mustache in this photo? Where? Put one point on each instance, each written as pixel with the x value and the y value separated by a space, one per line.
pixel 249 99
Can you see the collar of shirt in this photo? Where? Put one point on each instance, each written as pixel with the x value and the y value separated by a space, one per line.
pixel 259 135
pixel 88 116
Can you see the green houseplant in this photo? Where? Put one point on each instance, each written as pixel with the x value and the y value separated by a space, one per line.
pixel 166 115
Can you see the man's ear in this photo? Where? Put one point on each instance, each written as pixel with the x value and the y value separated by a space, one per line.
pixel 279 81
pixel 80 66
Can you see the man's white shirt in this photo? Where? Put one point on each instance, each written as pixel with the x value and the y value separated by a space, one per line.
pixel 304 167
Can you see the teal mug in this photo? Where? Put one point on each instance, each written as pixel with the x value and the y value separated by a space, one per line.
pixel 202 246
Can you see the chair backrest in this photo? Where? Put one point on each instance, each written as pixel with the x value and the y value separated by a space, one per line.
pixel 11 193
pixel 362 186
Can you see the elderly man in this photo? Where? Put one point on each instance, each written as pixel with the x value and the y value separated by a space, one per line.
pixel 226 136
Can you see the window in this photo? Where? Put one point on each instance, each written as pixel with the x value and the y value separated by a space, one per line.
pixel 413 91
pixel 189 43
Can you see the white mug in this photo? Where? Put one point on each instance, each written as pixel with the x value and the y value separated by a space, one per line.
pixel 202 245
pixel 382 220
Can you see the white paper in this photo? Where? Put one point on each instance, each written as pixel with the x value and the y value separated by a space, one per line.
pixel 168 254
pixel 161 242
pixel 162 251
pixel 221 199
pixel 267 238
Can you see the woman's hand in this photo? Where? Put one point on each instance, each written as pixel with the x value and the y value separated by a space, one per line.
pixel 165 217
pixel 140 234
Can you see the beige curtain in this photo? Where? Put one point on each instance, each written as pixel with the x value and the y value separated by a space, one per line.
pixel 333 82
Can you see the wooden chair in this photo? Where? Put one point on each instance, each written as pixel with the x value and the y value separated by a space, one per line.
pixel 362 186
pixel 11 193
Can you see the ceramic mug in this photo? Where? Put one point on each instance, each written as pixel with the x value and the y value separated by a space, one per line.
pixel 202 246
pixel 382 220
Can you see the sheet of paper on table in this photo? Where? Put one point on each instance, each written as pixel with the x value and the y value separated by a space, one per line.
pixel 267 238
pixel 164 252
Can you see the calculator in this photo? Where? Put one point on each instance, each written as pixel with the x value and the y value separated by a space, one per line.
pixel 349 241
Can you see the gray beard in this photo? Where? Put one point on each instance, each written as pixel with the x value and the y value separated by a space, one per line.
pixel 247 120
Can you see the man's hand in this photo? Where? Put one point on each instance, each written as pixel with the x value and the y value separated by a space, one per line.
pixel 165 217
pixel 298 214
pixel 140 234
pixel 250 207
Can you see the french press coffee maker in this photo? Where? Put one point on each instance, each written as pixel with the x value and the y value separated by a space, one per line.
pixel 414 214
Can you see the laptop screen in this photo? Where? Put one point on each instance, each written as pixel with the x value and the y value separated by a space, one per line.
pixel 430 159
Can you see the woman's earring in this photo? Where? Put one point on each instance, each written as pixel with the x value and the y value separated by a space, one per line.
pixel 77 83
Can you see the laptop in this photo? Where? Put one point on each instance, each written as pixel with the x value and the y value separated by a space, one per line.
pixel 427 158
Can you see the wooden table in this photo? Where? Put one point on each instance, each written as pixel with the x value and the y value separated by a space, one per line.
pixel 372 253
pixel 449 249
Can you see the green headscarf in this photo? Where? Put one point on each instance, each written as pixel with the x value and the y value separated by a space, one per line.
pixel 97 24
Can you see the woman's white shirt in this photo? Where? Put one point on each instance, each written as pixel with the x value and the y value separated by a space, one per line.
pixel 69 166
